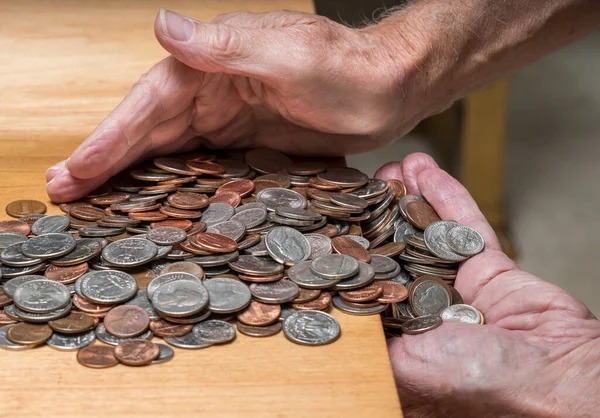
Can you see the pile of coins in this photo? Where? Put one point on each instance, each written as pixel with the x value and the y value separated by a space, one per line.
pixel 196 247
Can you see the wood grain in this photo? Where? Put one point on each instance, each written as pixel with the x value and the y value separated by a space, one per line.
pixel 63 66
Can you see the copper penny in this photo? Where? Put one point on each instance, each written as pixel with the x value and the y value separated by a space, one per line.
pixel 174 165
pixel 327 230
pixel 167 188
pixel 87 213
pixel 145 208
pixel 397 187
pixel 421 214
pixel 347 246
pixel 355 229
pixel 90 307
pixel 320 195
pixel 265 331
pixel 260 279
pixel 162 328
pixel 111 198
pixel 307 168
pixel 389 249
pixel 307 295
pixel 190 201
pixel 364 294
pixel 180 213
pixel 97 356
pixel 259 314
pixel 5 319
pixel 264 184
pixel 136 352
pixel 242 187
pixel 178 181
pixel 73 323
pixel 212 182
pixel 29 334
pixel 284 181
pixel 190 248
pixel 392 292
pixel 126 321
pixel 266 160
pixel 320 304
pixel 199 156
pixel 184 224
pixel 184 267
pixel 231 198
pixel 300 189
pixel 196 227
pixel 322 185
pixel 205 167
pixel 15 226
pixel 4 298
pixel 66 275
pixel 215 243
pixel 20 208
pixel 142 276
pixel 151 216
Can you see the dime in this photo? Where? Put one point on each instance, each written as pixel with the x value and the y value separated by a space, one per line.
pixel 264 331
pixel 62 341
pixel 311 328
pixel 73 323
pixel 41 296
pixel 259 314
pixel 126 321
pixel 227 295
pixel 344 306
pixel 97 356
pixel 129 252
pixel 50 224
pixel 48 245
pixel 277 197
pixel 462 313
pixel 136 352
pixel 421 324
pixel 166 353
pixel 216 213
pixel 180 298
pixel 334 266
pixel 465 240
pixel 214 331
pixel 166 235
pixel 21 208
pixel 28 334
pixel 287 246
pixel 108 286
pixel 302 275
pixel 435 239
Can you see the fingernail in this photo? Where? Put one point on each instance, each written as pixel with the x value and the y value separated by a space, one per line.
pixel 176 26
pixel 50 182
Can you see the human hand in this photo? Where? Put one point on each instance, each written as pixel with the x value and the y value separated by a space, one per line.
pixel 291 81
pixel 539 351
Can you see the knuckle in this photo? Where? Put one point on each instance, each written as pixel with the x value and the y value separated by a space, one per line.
pixel 226 43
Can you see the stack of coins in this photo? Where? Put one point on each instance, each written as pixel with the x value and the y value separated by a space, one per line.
pixel 185 247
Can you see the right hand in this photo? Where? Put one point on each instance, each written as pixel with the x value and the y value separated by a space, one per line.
pixel 292 81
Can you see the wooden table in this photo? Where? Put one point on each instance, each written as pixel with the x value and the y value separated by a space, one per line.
pixel 63 66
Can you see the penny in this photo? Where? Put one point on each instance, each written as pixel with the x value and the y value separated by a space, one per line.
pixel 363 294
pixel 429 296
pixel 60 341
pixel 205 167
pixel 88 213
pixel 230 198
pixel 173 165
pixel 435 239
pixel 349 201
pixel 227 295
pixel 421 324
pixel 166 235
pixel 217 212
pixel 397 187
pixel 97 356
pixel 136 352
pixel 66 275
pixel 311 328
pixel 162 328
pixel 49 224
pixel 260 279
pixel 180 298
pixel 214 242
pixel 264 331
pixel 259 314
pixel 184 267
pixel 287 246
pixel 347 246
pixel 4 298
pixel 73 323
pixel 126 321
pixel 166 353
pixel 391 249
pixel 465 240
pixel 90 307
pixel 392 292
pixel 150 216
pixel 278 292
pixel 129 252
pixel 28 334
pixel 111 198
pixel 267 161
pixel 180 213
pixel 21 208
pixel 184 224
pixel 334 266
pixel 264 184
pixel 241 187
pixel 276 197
pixel 190 201
pixel 421 214
pixel 321 303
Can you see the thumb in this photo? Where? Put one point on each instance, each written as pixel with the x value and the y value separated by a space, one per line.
pixel 218 47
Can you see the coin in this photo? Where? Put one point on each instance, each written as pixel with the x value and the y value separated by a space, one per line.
pixel 365 275
pixel 188 341
pixel 352 309
pixel 10 238
pixel 184 267
pixel 251 217
pixel 13 256
pixel 302 275
pixel 41 296
pixel 421 324
pixel 108 286
pixel 216 213
pixel 259 314
pixel 73 323
pixel 334 266
pixel 397 187
pixel 311 328
pixel 275 292
pixel 66 342
pixel 320 245
pixel 277 197
pixel 214 331
pixel 162 328
pixel 48 245
pixel 363 294
pixel 266 160
pixel 227 295
pixel 103 335
pixel 167 278
pixel 126 321
pixel 88 213
pixel 421 214
pixel 85 249
pixel 28 334
pixel 20 208
pixel 392 292
pixel 321 303
pixel 213 242
pixel 264 331
pixel 231 228
pixel 188 200
pixel 166 235
pixel 166 353
pixel 136 352
pixel 129 252
pixel 347 246
pixel 435 239
pixel 287 246
pixel 15 226
pixel 50 224
pixel 462 313
pixel 465 240
pixel 306 295
pixel 180 298
pixel 97 356
pixel 248 264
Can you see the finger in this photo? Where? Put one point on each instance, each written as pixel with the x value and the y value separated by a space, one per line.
pixel 412 166
pixel 270 20
pixel 390 171
pixel 164 92
pixel 54 170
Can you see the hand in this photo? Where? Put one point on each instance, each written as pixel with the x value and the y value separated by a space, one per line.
pixel 291 81
pixel 539 351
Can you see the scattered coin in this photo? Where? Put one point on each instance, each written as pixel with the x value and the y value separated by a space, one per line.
pixel 311 328
pixel 68 342
pixel 264 331
pixel 21 208
pixel 127 321
pixel 29 334
pixel 97 356
pixel 136 352
pixel 73 323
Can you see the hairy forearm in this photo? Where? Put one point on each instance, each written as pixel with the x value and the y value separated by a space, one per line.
pixel 459 46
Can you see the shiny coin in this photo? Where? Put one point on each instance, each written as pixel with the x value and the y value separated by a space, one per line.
pixel 166 235
pixel 302 275
pixel 334 266
pixel 184 267
pixel 15 226
pixel 180 298
pixel 421 324
pixel 321 303
pixel 129 252
pixel 136 352
pixel 264 331
pixel 29 334
pixel 436 241
pixel 297 213
pixel 462 313
pixel 168 278
pixel 97 356
pixel 41 296
pixel 277 197
pixel 85 249
pixel 37 317
pixel 259 314
pixel 320 245
pixel 11 272
pixel 126 321
pixel 188 341
pixel 232 229
pixel 48 246
pixel 13 256
pixel 67 342
pixel 421 214
pixel 349 201
pixel 108 286
pixel 392 292
pixel 97 231
pixel 311 328
pixel 465 240
pixel 9 238
pixel 50 224
pixel 74 323
pixel 347 246
pixel 214 331
pixel 21 208
pixel 383 264
pixel 216 213
pixel 363 294
pixel 214 260
pixel 287 246
pixel 227 295
pixel 213 242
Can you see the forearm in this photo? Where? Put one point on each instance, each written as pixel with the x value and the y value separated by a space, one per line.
pixel 459 46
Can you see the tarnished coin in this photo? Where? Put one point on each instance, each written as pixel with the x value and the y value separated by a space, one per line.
pixel 462 313
pixel 67 342
pixel 97 356
pixel 320 245
pixel 311 328
pixel 166 235
pixel 215 260
pixel 191 201
pixel 37 317
pixel 402 230
pixel 421 214
pixel 29 334
pixel 20 208
pixel 353 309
pixel 184 267
pixel 6 344
pixel 306 295
pixel 465 240
pixel 346 177
pixel 92 231
pixel 50 224
pixel 349 201
pixel 297 213
pixel 383 264
pixel 4 298
pixel 435 239
pixel 9 238
pixel 259 314
pixel 74 323
pixel 302 275
pixel 88 213
pixel 9 272
pixel 421 324
pixel 41 296
pixel 320 304
pixel 129 252
pixel 214 331
pixel 180 298
pixel 50 245
pixel 216 213
pixel 281 291
pixel 227 295
pixel 188 341
pixel 334 266
pixel 166 353
pixel 259 249
pixel 126 321
pixel 231 228
pixel 278 197
pixel 108 286
pixel 287 246
pixel 264 331
pixel 136 352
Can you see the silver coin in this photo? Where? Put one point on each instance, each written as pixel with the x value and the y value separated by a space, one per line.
pixel 215 259
pixel 180 298
pixel 389 275
pixel 50 245
pixel 262 331
pixel 340 304
pixel 374 187
pixel 429 297
pixel 462 313
pixel 216 213
pixel 280 220
pixel 178 254
pixel 129 252
pixel 10 272
pixel 141 300
pixel 311 328
pixel 189 341
pixel 62 341
pixel 286 310
pixel 100 231
pixel 362 241
pixel 159 265
pixel 161 279
pixel 302 275
pixel 251 205
pixel 192 319
pixel 276 197
pixel 278 292
pixel 365 275
pixel 106 337
pixel 251 217
pixel 227 295
pixel 381 207
pixel 50 223
pixel 7 344
pixel 403 278
pixel 259 249
pixel 249 264
pixel 108 286
pixel 9 238
pixel 383 264
pixel 11 285
pixel 13 256
pixel 298 213
pixel 421 324
pixel 435 240
pixel 348 200
pixel 232 229
pixel 320 245
pixel 214 331
pixel 262 228
pixel 9 310
pixel 216 271
pixel 465 240
pixel 40 296
pixel 249 241
pixel 39 317
pixel 402 229
pixel 166 250
pixel 287 246
pixel 166 235
pixel 85 249
pixel 334 266
pixel 165 353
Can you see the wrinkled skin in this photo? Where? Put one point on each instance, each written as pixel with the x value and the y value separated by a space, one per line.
pixel 538 353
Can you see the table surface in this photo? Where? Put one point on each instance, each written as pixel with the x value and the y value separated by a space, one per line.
pixel 63 66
